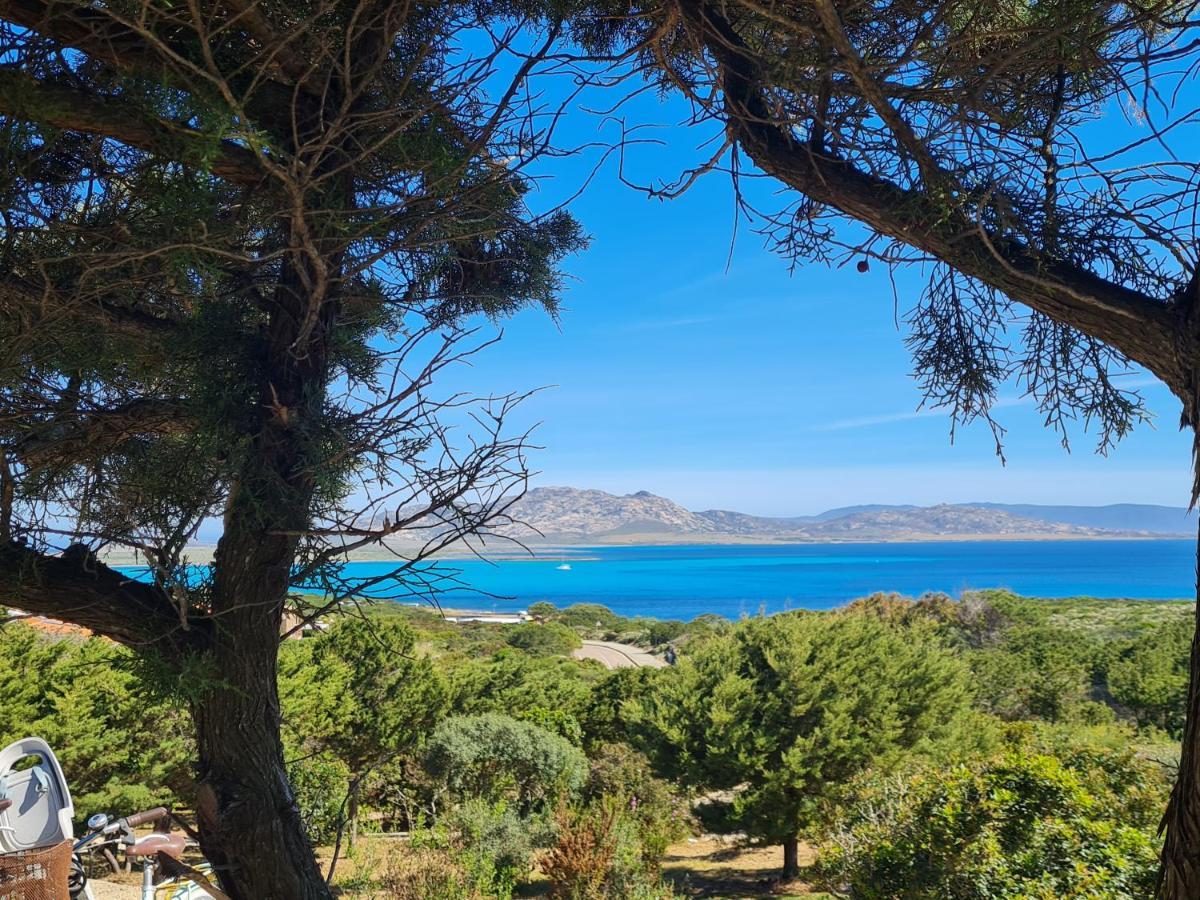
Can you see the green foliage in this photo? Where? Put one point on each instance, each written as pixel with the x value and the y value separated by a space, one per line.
pixel 790 709
pixel 550 639
pixel 360 692
pixel 1150 676
pixel 604 719
pixel 658 813
pixel 492 840
pixel 124 748
pixel 1038 671
pixel 588 615
pixel 513 682
pixel 496 757
pixel 664 631
pixel 599 855
pixel 1028 822
pixel 321 786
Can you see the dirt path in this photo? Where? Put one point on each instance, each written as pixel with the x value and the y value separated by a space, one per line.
pixel 704 867
pixel 618 656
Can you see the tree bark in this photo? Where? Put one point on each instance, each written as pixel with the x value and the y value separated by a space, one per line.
pixel 1179 872
pixel 791 858
pixel 352 810
pixel 250 826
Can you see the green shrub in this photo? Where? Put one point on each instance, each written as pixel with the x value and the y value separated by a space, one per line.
pixel 598 855
pixel 665 631
pixel 550 639
pixel 1025 823
pixel 659 814
pixel 320 785
pixel 496 757
pixel 1150 677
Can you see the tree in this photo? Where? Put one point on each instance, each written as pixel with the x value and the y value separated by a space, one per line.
pixel 494 757
pixel 1150 676
pixel 362 695
pixel 978 137
pixel 787 710
pixel 239 242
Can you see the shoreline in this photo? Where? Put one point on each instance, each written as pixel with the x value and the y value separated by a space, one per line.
pixel 567 551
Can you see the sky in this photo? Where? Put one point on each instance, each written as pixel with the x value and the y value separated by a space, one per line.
pixel 688 361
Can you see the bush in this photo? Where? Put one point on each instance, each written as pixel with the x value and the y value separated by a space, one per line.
pixel 665 631
pixel 320 786
pixel 496 757
pixel 598 856
pixel 1025 823
pixel 494 843
pixel 1150 677
pixel 429 873
pixel 659 814
pixel 551 639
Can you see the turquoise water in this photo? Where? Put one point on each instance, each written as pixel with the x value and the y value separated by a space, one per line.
pixel 684 582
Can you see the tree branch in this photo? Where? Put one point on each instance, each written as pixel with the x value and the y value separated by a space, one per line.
pixel 22 299
pixel 50 104
pixel 100 432
pixel 1139 326
pixel 76 587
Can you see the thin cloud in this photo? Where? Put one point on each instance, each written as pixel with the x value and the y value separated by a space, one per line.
pixel 890 418
pixel 680 322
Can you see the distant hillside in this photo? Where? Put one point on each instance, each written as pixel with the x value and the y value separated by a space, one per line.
pixel 1118 517
pixel 571 515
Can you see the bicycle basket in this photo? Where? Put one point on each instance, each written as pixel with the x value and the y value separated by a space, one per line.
pixel 39 874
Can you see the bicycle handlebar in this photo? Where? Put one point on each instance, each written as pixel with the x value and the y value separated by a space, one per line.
pixel 150 815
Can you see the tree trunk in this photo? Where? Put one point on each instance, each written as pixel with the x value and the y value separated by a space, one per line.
pixel 250 826
pixel 352 810
pixel 1179 874
pixel 791 858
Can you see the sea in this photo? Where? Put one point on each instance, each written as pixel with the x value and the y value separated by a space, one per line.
pixel 682 582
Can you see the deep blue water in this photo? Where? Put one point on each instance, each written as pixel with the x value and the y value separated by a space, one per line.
pixel 683 582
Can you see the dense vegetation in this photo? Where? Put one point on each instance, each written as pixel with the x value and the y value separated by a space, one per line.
pixel 993 746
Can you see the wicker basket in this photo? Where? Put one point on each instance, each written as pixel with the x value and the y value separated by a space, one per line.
pixel 39 874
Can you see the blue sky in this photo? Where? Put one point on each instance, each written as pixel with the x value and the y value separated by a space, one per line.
pixel 724 381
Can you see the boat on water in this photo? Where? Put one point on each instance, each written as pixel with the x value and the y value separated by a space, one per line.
pixel 563 568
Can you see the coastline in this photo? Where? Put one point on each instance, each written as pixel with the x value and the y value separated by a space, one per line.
pixel 575 547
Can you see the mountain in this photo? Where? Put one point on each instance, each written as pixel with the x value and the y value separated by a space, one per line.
pixel 570 515
pixel 1118 516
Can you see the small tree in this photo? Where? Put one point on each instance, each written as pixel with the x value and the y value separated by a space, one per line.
pixel 786 711
pixel 364 696
pixel 1150 677
pixel 499 758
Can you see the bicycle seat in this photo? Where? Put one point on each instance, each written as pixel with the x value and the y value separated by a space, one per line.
pixel 152 844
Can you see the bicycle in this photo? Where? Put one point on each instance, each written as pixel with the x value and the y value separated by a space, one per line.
pixel 158 853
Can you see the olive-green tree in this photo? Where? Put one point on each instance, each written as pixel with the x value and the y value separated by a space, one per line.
pixel 1150 676
pixel 361 693
pixel 239 241
pixel 786 711
pixel 1005 148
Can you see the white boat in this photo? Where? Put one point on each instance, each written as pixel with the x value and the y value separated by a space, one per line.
pixel 563 568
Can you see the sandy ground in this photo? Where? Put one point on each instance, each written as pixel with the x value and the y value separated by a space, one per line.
pixel 109 890
pixel 713 868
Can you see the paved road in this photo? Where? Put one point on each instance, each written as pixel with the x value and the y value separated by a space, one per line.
pixel 617 656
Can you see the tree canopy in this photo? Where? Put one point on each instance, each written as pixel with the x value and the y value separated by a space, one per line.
pixel 786 711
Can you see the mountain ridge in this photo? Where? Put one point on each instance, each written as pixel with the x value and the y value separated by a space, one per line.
pixel 566 514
